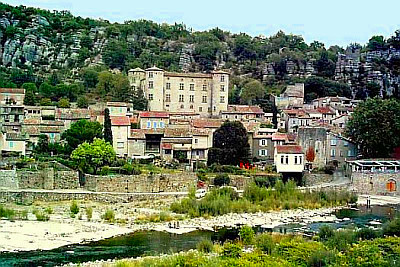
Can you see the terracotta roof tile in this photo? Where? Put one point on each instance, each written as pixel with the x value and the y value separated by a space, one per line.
pixel 12 90
pixel 120 121
pixel 153 114
pixel 207 123
pixel 289 149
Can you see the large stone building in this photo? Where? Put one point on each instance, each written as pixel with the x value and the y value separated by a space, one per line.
pixel 206 94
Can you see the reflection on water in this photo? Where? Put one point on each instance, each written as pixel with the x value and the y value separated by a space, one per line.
pixel 155 243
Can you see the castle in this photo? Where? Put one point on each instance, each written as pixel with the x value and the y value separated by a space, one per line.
pixel 205 94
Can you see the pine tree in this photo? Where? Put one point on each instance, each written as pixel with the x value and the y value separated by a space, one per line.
pixel 107 126
pixel 30 99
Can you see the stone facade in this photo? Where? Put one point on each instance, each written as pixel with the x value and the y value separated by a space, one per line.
pixel 376 183
pixel 311 179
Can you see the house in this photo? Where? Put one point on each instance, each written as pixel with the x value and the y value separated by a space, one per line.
pixel 153 119
pixel 13 142
pixel 263 146
pixel 11 104
pixel 289 159
pixel 243 113
pixel 120 127
pixel 340 149
pixel 327 114
pixel 206 94
pixel 118 108
pixel 313 140
pixel 293 96
pixel 71 115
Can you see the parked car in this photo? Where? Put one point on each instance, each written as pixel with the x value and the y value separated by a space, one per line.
pixel 200 193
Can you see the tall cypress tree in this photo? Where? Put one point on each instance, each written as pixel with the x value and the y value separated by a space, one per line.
pixel 107 127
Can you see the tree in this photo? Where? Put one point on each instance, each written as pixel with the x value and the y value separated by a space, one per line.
pixel 82 131
pixel 230 144
pixel 89 157
pixel 376 42
pixel 30 98
pixel 115 54
pixel 325 66
pixel 310 154
pixel 45 102
pixel 43 143
pixel 121 87
pixel 90 78
pixel 107 127
pixel 252 91
pixel 30 86
pixel 373 89
pixel 139 102
pixel 63 103
pixel 105 84
pixel 82 102
pixel 375 126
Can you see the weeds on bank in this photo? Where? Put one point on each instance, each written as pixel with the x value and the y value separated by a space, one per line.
pixel 256 198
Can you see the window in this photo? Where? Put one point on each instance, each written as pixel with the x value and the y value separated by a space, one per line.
pixel 333 153
pixel 181 86
pixel 287 159
pixel 154 124
pixel 222 99
pixel 300 159
pixel 350 153
pixel 150 75
pixel 196 141
pixel 11 144
pixel 222 78
pixel 345 143
pixel 282 159
pixel 204 87
pixel 200 109
pixel 333 142
pixel 182 106
pixel 191 87
pixel 263 142
pixel 191 98
pixel 341 153
pixel 180 98
pixel 204 99
pixel 162 124
pixel 151 85
pixel 263 152
pixel 120 145
pixel 295 159
pixel 197 153
pixel 222 88
pixel 148 124
pixel 168 86
pixel 191 107
pixel 150 96
pixel 167 151
pixel 167 98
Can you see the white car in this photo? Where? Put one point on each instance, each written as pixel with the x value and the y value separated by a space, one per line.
pixel 200 193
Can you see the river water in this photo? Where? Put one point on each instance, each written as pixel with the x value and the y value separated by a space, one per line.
pixel 155 243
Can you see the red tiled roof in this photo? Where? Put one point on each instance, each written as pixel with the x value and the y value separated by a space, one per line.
pixel 166 146
pixel 289 149
pixel 120 121
pixel 154 114
pixel 32 121
pixel 188 75
pixel 206 123
pixel 244 109
pixel 12 90
pixel 117 104
pixel 279 137
pixel 325 110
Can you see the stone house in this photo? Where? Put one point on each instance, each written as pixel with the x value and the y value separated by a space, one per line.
pixel 120 127
pixel 293 96
pixel 340 149
pixel 71 115
pixel 243 113
pixel 289 159
pixel 153 120
pixel 206 94
pixel 118 108
pixel 315 139
pixel 263 146
pixel 11 104
pixel 13 142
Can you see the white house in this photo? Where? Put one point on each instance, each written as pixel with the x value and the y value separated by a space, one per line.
pixel 289 159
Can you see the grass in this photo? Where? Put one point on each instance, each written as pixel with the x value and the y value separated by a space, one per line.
pixel 41 216
pixel 109 216
pixel 255 198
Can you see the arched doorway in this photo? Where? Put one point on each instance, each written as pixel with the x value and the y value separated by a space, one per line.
pixel 391 186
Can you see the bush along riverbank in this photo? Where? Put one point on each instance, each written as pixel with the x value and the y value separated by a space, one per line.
pixel 256 198
pixel 330 247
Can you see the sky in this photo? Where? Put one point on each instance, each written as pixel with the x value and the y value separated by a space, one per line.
pixel 338 22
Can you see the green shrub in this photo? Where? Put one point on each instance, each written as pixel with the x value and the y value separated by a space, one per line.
pixel 266 181
pixel 105 170
pixel 41 216
pixel 367 234
pixel 392 228
pixel 325 232
pixel 89 213
pixel 246 234
pixel 205 246
pixel 265 243
pixel 49 210
pixel 222 179
pixel 109 216
pixel 342 239
pixel 74 208
pixel 231 250
pixel 7 213
pixel 165 216
pixel 321 258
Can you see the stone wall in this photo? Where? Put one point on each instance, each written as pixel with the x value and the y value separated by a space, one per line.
pixel 28 197
pixel 311 179
pixel 376 183
pixel 179 182
pixel 8 179
pixel 66 180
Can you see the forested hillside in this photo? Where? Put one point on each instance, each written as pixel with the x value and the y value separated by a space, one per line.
pixel 66 56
